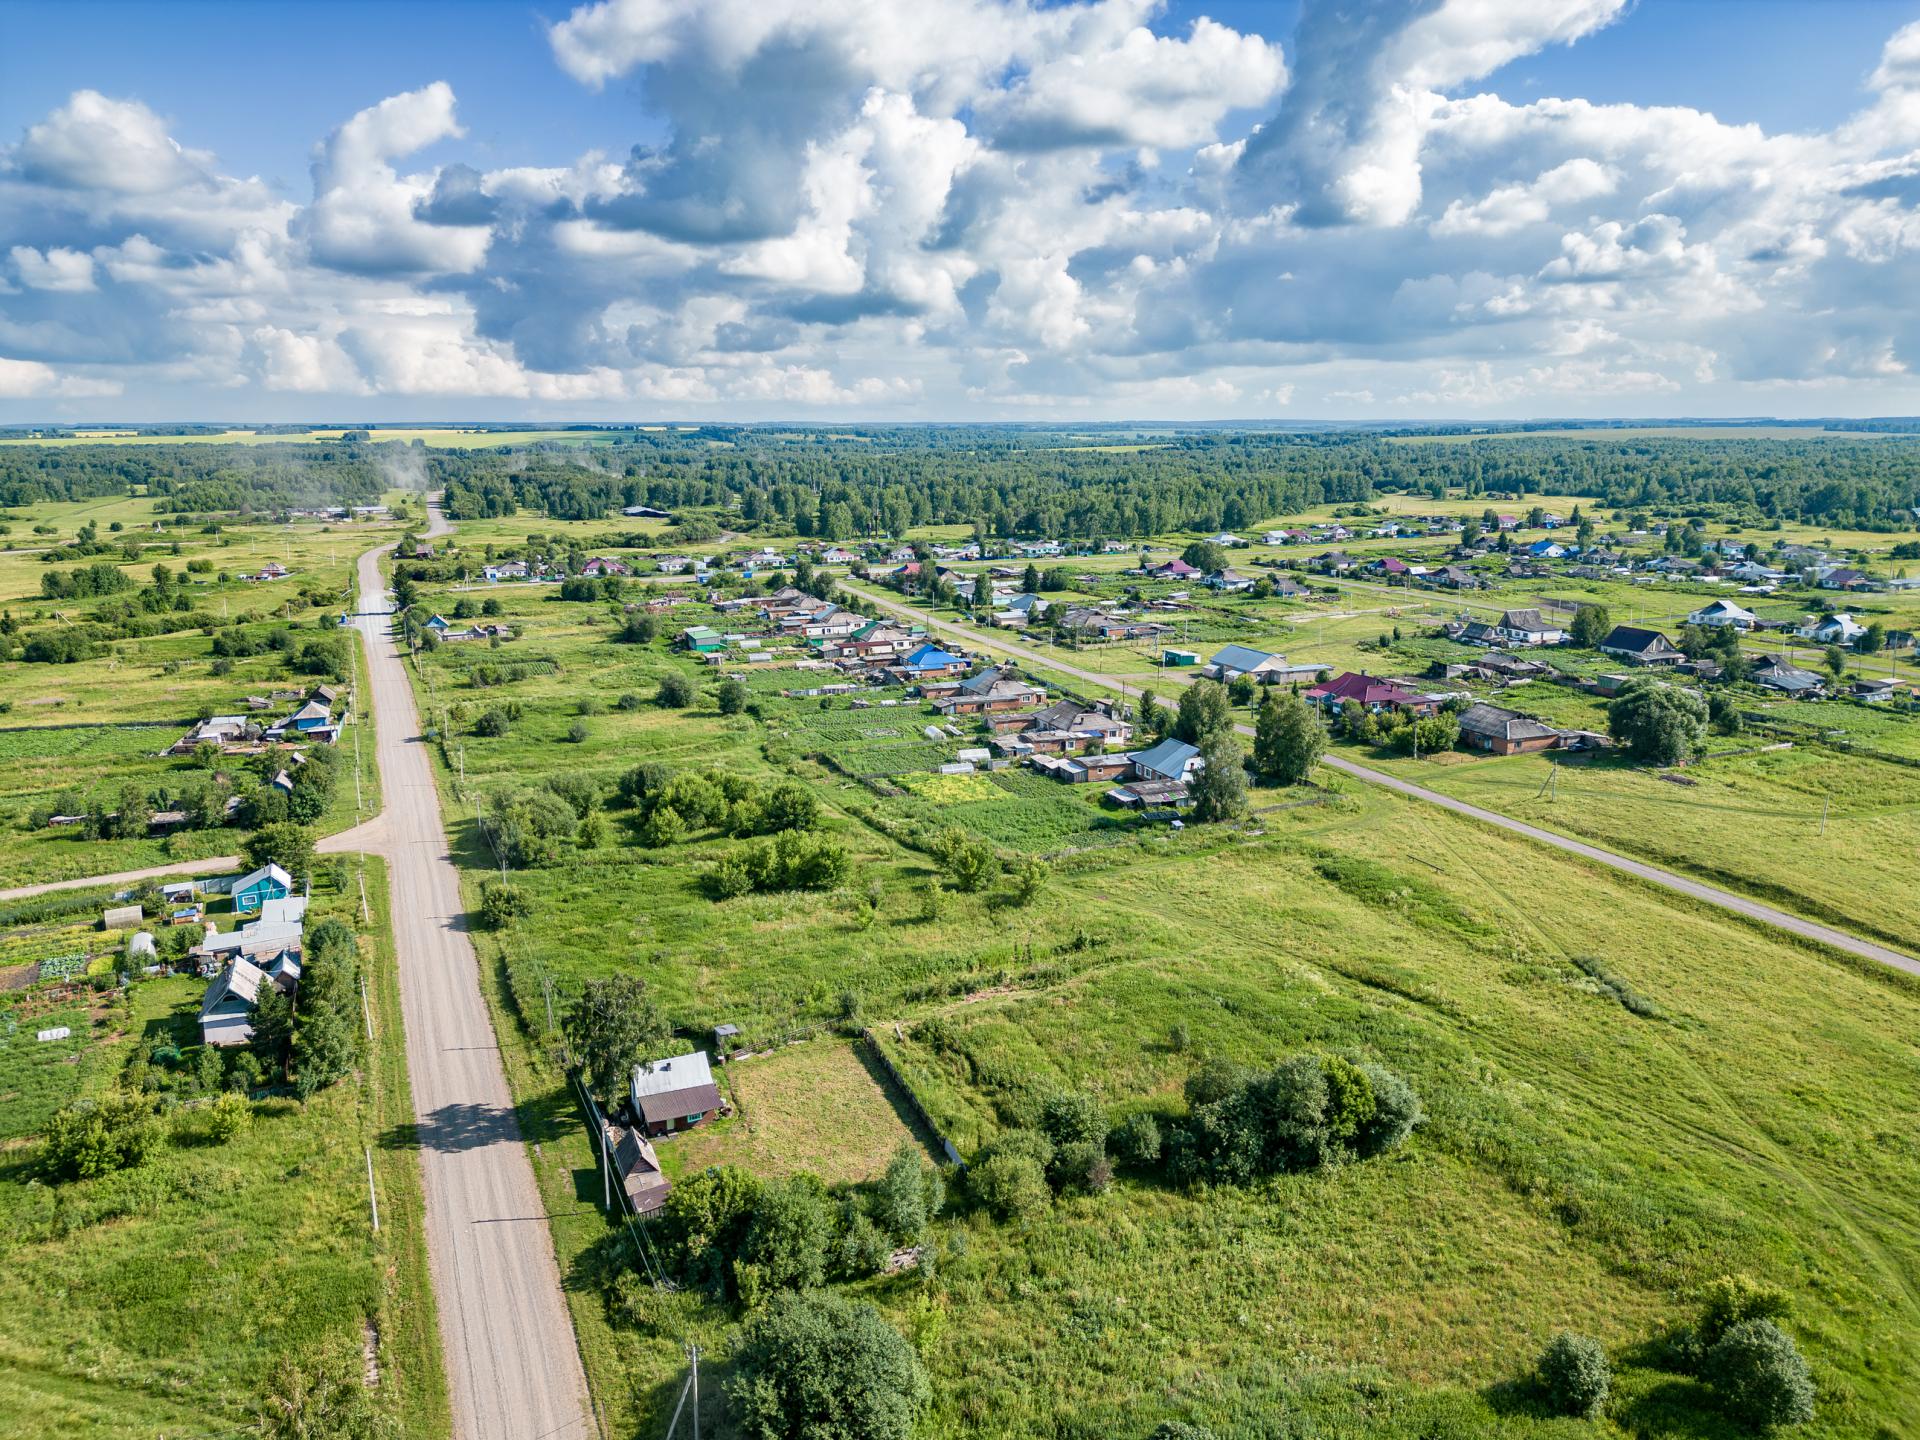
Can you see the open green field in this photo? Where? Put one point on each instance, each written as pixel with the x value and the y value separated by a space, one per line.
pixel 156 1301
pixel 1584 1164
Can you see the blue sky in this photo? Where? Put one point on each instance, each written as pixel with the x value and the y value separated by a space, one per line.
pixel 978 208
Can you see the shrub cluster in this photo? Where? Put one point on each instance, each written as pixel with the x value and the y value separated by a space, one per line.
pixel 792 860
pixel 1308 1111
pixel 672 804
pixel 733 1235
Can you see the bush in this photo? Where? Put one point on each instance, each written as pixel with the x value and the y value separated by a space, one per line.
pixel 816 1365
pixel 491 725
pixel 970 862
pixel 1734 1298
pixel 676 691
pixel 1074 1117
pixel 1760 1376
pixel 863 1250
pixel 577 732
pixel 1010 1187
pixel 90 1138
pixel 1136 1143
pixel 1179 1430
pixel 731 697
pixel 1396 1110
pixel 502 903
pixel 228 1116
pixel 1575 1374
pixel 1081 1166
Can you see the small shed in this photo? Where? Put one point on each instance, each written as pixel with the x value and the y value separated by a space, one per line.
pixel 1179 659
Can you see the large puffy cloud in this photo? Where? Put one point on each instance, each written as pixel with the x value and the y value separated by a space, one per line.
pixel 363 213
pixel 995 207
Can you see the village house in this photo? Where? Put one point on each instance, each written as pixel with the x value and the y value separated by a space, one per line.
pixel 1640 647
pixel 1175 569
pixel 1169 760
pixel 254 889
pixel 928 661
pixel 1333 562
pixel 1371 693
pixel 226 1010
pixel 1285 587
pixel 505 570
pixel 1724 612
pixel 1452 577
pixel 1390 567
pixel 674 1094
pixel 1229 581
pixel 1230 662
pixel 1777 672
pixel 1073 723
pixel 1504 732
pixel 1846 579
pixel 1832 630
pixel 605 565
pixel 988 692
pixel 1514 627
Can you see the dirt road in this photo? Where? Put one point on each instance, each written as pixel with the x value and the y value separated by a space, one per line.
pixel 512 1364
pixel 213 865
pixel 981 639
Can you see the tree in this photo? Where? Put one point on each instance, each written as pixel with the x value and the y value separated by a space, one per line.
pixel 816 1365
pixel 731 697
pixel 1590 625
pixel 676 691
pixel 1204 710
pixel 615 1025
pixel 1205 556
pixel 1836 660
pixel 272 1030
pixel 1220 789
pixel 1658 724
pixel 1760 1376
pixel 785 1246
pixel 1073 1116
pixel 1153 715
pixel 578 732
pixel 705 1220
pixel 326 1044
pixel 900 1196
pixel 1289 737
pixel 1872 640
pixel 1575 1374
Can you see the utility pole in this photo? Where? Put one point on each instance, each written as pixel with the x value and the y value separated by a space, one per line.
pixel 1825 800
pixel 694 1350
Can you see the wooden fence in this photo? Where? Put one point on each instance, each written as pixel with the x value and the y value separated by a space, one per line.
pixel 919 1110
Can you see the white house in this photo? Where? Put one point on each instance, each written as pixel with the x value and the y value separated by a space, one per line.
pixel 1833 630
pixel 1724 612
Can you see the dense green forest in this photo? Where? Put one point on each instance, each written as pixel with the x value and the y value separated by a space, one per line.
pixel 1028 481
pixel 195 479
pixel 1009 480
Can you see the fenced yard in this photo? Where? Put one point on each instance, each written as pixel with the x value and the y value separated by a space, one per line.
pixel 819 1106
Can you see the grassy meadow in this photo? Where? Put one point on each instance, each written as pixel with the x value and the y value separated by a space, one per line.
pixel 1627 1094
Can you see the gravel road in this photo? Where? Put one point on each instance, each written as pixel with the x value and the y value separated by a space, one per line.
pixel 512 1363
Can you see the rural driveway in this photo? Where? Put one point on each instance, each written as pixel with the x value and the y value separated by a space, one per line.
pixel 1712 894
pixel 512 1363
